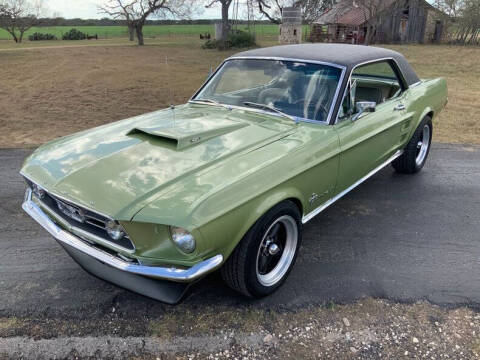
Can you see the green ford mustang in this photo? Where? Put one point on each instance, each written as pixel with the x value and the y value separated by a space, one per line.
pixel 276 135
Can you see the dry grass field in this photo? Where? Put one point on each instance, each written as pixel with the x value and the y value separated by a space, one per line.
pixel 58 88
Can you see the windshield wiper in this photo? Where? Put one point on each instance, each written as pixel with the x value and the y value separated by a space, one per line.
pixel 271 108
pixel 210 101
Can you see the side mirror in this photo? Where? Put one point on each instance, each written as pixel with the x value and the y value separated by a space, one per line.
pixel 363 107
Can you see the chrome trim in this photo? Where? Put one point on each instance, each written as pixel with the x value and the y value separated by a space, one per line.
pixel 423 145
pixel 61 197
pixel 274 58
pixel 415 84
pixel 287 253
pixel 281 58
pixel 326 204
pixel 85 234
pixel 370 62
pixel 165 273
pixel 101 241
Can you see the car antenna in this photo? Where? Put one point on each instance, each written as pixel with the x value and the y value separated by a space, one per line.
pixel 170 95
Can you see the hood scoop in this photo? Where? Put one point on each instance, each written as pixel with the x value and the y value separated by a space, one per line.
pixel 191 132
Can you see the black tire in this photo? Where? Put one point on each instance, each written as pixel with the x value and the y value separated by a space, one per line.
pixel 414 156
pixel 241 270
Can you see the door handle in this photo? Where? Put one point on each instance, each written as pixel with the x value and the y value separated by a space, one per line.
pixel 399 107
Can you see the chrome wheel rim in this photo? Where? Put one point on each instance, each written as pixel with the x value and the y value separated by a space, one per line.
pixel 423 145
pixel 277 250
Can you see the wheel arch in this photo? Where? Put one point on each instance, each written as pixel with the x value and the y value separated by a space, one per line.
pixel 428 111
pixel 251 212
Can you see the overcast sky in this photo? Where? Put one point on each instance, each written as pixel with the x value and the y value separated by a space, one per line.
pixel 87 9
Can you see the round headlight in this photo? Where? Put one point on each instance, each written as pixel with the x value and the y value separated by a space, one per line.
pixel 114 230
pixel 38 191
pixel 183 239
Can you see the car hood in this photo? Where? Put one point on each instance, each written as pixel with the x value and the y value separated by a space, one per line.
pixel 114 169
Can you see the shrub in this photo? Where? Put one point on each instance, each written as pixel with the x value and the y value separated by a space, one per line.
pixel 40 37
pixel 74 34
pixel 235 39
pixel 210 44
pixel 239 39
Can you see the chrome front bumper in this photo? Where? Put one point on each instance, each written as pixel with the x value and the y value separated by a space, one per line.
pixel 164 273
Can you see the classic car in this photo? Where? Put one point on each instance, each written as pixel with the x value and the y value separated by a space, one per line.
pixel 155 202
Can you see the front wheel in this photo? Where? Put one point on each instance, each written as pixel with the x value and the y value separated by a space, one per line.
pixel 263 259
pixel 416 152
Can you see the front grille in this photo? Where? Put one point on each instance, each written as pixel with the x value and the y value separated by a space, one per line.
pixel 83 219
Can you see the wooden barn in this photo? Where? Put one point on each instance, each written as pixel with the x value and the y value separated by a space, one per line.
pixel 398 21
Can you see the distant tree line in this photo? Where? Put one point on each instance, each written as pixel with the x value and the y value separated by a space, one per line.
pixel 60 21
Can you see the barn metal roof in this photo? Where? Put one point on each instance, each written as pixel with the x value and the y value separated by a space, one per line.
pixel 348 13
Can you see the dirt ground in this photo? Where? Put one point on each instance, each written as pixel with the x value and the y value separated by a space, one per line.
pixel 47 92
pixel 367 329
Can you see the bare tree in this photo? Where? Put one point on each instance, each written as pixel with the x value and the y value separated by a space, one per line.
pixel 17 16
pixel 225 25
pixel 117 10
pixel 311 9
pixel 469 23
pixel 271 9
pixel 452 8
pixel 136 12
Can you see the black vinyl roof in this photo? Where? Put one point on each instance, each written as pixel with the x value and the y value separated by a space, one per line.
pixel 340 54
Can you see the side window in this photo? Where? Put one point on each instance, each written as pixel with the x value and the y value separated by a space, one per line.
pixel 376 82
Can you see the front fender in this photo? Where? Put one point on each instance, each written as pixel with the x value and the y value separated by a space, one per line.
pixel 224 233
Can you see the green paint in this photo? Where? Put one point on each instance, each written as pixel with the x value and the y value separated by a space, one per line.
pixel 147 172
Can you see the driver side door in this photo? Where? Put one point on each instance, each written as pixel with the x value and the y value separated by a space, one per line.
pixel 373 138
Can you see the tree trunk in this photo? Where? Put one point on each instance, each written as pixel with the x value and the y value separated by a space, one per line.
pixel 131 32
pixel 139 31
pixel 225 27
pixel 367 35
pixel 14 36
pixel 20 38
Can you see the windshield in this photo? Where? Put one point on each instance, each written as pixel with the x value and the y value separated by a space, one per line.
pixel 302 90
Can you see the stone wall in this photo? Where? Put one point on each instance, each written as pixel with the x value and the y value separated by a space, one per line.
pixel 290 31
pixel 290 34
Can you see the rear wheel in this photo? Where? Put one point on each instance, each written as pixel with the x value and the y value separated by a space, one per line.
pixel 416 152
pixel 263 259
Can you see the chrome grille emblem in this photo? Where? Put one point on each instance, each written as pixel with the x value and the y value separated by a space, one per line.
pixel 72 212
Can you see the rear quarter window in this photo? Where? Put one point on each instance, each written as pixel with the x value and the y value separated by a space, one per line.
pixel 377 70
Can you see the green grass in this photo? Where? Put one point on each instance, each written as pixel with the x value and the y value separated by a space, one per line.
pixel 107 32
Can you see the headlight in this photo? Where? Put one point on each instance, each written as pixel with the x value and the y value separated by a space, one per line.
pixel 115 230
pixel 183 239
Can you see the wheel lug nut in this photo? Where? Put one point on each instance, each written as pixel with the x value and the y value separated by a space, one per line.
pixel 273 249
